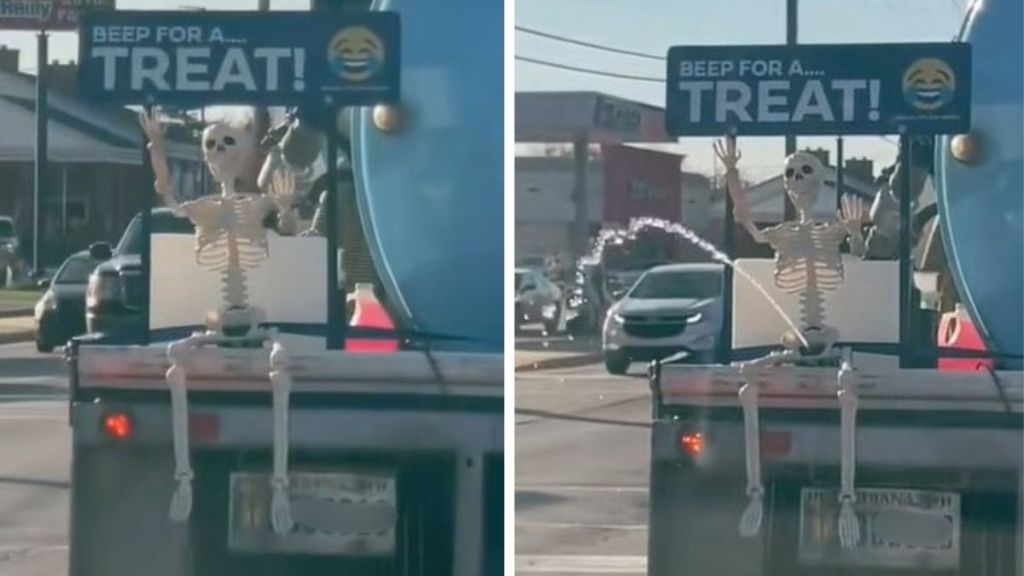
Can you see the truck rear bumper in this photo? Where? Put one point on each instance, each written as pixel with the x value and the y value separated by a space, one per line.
pixel 698 496
pixel 447 464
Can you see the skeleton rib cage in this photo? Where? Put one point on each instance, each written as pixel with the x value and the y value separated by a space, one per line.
pixel 807 262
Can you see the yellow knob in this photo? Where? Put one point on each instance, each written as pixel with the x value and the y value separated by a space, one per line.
pixel 965 148
pixel 387 118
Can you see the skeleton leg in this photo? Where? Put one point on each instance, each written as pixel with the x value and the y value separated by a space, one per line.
pixel 849 527
pixel 281 381
pixel 178 353
pixel 750 522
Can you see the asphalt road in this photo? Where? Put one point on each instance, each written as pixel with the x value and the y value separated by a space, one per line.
pixel 581 472
pixel 35 452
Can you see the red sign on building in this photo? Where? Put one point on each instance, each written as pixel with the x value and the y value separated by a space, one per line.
pixel 639 182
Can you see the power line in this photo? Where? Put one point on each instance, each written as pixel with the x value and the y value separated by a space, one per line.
pixel 590 44
pixel 589 70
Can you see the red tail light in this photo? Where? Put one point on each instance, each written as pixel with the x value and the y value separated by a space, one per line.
pixel 118 426
pixel 692 444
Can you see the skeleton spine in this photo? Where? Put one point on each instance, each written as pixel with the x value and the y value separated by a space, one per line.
pixel 235 286
pixel 812 305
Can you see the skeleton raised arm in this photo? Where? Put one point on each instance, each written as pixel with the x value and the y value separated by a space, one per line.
pixel 729 156
pixel 154 130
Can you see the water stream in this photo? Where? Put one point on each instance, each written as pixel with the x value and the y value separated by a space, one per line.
pixel 618 236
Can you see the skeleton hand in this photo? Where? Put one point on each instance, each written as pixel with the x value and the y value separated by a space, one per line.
pixel 152 127
pixel 282 189
pixel 852 214
pixel 727 153
pixel 282 192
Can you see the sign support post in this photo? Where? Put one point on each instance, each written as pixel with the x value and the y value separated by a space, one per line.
pixel 725 334
pixel 792 12
pixel 907 350
pixel 839 172
pixel 336 323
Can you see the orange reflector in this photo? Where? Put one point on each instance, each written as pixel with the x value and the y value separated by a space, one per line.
pixel 692 444
pixel 204 427
pixel 775 444
pixel 118 426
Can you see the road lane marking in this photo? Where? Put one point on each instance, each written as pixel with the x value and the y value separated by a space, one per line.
pixel 581 525
pixel 580 488
pixel 33 409
pixel 530 564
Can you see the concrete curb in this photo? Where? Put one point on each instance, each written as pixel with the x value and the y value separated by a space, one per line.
pixel 16 313
pixel 570 361
pixel 17 336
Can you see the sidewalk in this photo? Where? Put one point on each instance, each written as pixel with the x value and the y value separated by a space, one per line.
pixel 16 329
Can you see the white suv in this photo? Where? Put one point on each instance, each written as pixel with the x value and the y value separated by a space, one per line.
pixel 671 309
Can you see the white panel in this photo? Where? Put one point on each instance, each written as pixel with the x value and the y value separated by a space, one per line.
pixel 865 308
pixel 290 285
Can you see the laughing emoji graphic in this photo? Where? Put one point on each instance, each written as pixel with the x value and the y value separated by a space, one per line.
pixel 355 54
pixel 929 84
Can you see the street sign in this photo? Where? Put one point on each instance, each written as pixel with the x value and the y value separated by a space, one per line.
pixel 46 14
pixel 819 89
pixel 268 58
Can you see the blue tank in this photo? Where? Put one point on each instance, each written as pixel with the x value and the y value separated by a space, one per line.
pixel 980 204
pixel 431 196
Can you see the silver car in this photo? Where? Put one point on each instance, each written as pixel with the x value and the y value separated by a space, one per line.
pixel 537 300
pixel 671 309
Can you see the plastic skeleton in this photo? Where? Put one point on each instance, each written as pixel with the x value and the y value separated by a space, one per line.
pixel 230 239
pixel 808 262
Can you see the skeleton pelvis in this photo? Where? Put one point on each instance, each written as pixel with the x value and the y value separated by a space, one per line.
pixel 235 320
pixel 819 340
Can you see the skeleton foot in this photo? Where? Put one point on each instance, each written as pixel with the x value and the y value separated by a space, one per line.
pixel 849 527
pixel 281 381
pixel 750 522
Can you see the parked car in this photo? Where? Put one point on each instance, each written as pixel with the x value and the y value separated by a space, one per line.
pixel 60 312
pixel 537 299
pixel 8 247
pixel 671 309
pixel 114 297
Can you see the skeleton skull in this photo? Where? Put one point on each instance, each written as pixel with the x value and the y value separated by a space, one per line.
pixel 228 149
pixel 803 179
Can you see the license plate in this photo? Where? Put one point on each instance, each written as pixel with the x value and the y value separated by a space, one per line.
pixel 350 513
pixel 898 529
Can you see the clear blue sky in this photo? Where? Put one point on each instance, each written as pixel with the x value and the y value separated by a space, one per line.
pixel 653 25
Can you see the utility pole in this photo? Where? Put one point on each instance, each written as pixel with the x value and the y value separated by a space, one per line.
pixel 42 58
pixel 789 211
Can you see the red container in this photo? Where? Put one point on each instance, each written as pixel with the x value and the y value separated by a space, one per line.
pixel 956 330
pixel 370 313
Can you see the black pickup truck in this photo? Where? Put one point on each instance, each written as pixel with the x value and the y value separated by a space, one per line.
pixel 114 298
